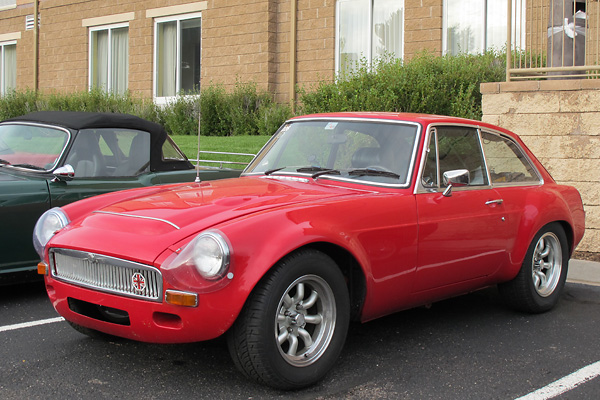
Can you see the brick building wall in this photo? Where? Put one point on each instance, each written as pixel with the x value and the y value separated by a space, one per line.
pixel 242 41
pixel 560 122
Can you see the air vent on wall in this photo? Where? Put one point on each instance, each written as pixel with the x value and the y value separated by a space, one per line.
pixel 29 22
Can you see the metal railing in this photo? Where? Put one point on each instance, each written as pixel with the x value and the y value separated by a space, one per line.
pixel 553 39
pixel 223 162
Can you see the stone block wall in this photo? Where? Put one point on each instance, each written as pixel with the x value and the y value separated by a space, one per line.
pixel 559 120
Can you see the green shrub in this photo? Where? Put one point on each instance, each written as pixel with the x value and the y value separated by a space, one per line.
pixel 245 111
pixel 430 84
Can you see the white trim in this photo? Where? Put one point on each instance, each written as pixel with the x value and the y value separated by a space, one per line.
pixel 10 36
pixel 163 100
pixel 108 19
pixel 108 28
pixel 175 10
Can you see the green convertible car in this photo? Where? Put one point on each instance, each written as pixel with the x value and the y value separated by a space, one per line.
pixel 49 159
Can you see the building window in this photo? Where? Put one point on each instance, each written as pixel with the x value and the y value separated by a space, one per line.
pixel 367 30
pixel 8 67
pixel 109 58
pixel 177 55
pixel 475 26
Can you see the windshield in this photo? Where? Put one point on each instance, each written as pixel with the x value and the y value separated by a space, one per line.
pixel 366 150
pixel 31 146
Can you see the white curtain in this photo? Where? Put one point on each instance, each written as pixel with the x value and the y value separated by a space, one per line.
pixel 167 59
pixel 465 24
pixel 388 20
pixel 8 55
pixel 100 59
pixel 119 60
pixel 353 33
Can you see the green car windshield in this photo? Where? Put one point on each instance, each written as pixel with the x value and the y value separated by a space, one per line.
pixel 375 152
pixel 32 147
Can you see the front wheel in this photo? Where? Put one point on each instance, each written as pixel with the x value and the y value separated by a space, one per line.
pixel 294 324
pixel 542 277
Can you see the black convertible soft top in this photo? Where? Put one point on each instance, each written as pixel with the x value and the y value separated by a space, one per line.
pixel 77 120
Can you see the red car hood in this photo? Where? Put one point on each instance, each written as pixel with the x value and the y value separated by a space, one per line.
pixel 143 226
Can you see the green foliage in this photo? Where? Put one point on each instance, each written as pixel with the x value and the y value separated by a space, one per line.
pixel 430 84
pixel 244 111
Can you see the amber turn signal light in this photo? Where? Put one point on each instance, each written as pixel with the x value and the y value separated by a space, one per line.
pixel 181 298
pixel 42 268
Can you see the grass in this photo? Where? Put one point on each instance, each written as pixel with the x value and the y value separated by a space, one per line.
pixel 231 144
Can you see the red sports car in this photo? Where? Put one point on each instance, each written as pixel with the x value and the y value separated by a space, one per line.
pixel 340 217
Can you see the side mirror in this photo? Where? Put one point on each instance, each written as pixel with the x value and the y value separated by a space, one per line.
pixel 64 174
pixel 456 177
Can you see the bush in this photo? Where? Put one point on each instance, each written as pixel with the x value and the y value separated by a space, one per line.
pixel 245 111
pixel 430 84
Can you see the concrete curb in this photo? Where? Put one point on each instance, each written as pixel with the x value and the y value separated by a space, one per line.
pixel 587 272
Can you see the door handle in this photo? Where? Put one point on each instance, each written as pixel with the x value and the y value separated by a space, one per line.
pixel 497 201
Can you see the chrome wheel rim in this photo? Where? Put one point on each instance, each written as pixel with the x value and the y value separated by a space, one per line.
pixel 305 320
pixel 547 264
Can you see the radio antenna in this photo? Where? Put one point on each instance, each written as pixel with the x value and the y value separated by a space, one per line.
pixel 197 180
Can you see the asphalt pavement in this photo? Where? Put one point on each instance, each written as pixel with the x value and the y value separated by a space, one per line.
pixel 587 272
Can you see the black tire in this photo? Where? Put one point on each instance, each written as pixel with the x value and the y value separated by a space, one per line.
pixel 261 342
pixel 542 277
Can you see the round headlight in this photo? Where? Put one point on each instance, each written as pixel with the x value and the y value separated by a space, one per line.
pixel 47 226
pixel 211 255
pixel 208 254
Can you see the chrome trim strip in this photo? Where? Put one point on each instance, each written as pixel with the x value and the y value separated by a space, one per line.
pixel 403 185
pixel 105 273
pixel 42 125
pixel 137 216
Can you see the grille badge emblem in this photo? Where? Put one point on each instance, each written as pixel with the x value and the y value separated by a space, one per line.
pixel 138 282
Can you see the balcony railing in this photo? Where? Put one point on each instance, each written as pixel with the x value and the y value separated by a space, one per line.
pixel 554 39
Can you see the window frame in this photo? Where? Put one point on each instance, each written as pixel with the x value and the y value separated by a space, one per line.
pixel 518 38
pixel 3 45
pixel 178 19
pixel 369 56
pixel 108 28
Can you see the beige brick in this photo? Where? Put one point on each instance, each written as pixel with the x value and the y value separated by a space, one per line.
pixel 590 241
pixel 590 123
pixel 572 170
pixel 573 146
pixel 580 101
pixel 590 193
pixel 541 124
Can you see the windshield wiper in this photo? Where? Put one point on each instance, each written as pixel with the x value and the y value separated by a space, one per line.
pixel 30 166
pixel 4 162
pixel 318 171
pixel 373 172
pixel 270 171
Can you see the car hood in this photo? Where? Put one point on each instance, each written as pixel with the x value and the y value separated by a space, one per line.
pixel 148 223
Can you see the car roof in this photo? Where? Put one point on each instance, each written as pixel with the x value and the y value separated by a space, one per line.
pixel 88 120
pixel 78 120
pixel 423 119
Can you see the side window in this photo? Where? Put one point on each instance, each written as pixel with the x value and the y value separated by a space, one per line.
pixel 454 148
pixel 506 161
pixel 430 177
pixel 134 147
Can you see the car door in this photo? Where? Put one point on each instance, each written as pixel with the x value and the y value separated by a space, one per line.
pixel 104 160
pixel 462 232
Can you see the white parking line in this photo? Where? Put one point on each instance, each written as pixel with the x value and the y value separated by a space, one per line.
pixel 565 384
pixel 29 324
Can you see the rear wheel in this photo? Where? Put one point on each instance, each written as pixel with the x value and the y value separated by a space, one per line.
pixel 294 324
pixel 542 277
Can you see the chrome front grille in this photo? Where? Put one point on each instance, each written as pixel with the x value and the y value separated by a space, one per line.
pixel 106 274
